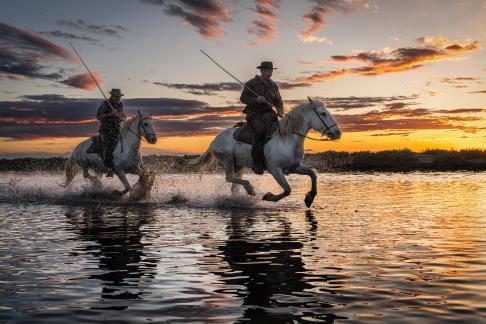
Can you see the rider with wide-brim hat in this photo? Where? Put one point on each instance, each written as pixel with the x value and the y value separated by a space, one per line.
pixel 111 115
pixel 259 112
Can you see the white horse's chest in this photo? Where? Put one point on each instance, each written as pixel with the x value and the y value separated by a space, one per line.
pixel 283 155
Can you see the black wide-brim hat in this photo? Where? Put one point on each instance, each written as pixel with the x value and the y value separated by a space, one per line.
pixel 116 92
pixel 266 65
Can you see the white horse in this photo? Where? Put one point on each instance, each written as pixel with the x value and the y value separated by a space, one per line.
pixel 126 156
pixel 283 153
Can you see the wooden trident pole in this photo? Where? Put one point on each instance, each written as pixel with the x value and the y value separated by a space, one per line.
pixel 231 75
pixel 94 79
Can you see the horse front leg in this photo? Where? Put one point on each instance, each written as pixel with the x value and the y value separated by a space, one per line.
pixel 123 178
pixel 279 176
pixel 304 170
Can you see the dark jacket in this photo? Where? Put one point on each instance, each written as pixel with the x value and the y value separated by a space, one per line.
pixel 109 124
pixel 267 89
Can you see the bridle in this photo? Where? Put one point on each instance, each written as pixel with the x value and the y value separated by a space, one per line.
pixel 327 127
pixel 140 125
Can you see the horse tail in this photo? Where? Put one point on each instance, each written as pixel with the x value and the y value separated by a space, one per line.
pixel 206 159
pixel 71 170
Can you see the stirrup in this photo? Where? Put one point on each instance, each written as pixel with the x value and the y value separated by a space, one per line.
pixel 109 173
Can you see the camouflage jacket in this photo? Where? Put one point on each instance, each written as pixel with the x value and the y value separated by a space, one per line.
pixel 109 124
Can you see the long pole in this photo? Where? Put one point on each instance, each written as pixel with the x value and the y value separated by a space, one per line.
pixel 94 79
pixel 222 68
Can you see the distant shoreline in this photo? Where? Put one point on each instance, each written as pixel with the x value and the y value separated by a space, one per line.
pixel 330 161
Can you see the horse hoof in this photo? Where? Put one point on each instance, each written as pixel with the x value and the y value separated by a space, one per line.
pixel 309 198
pixel 119 193
pixel 251 192
pixel 268 196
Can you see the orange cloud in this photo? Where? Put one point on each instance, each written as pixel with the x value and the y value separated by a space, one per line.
pixel 204 15
pixel 397 60
pixel 316 18
pixel 83 81
pixel 264 28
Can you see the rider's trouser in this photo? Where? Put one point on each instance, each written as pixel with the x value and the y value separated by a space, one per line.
pixel 261 125
pixel 109 139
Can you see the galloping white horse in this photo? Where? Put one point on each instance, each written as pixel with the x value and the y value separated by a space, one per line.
pixel 126 156
pixel 283 153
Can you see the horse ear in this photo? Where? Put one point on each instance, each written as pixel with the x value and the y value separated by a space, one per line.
pixel 310 100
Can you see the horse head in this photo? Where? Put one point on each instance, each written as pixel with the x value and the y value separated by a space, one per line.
pixel 320 119
pixel 146 128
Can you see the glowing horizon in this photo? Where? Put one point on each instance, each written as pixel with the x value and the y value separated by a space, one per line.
pixel 396 75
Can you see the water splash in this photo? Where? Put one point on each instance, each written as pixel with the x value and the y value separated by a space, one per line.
pixel 178 189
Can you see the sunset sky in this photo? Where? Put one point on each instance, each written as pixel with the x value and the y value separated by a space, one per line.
pixel 394 74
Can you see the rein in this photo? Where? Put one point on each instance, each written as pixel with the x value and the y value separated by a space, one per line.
pixel 141 125
pixel 312 138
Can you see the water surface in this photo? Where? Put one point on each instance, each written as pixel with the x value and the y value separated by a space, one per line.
pixel 374 247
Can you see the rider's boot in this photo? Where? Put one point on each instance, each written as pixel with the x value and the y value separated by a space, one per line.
pixel 257 154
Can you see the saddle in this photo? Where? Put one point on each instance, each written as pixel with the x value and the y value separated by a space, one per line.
pixel 96 146
pixel 244 133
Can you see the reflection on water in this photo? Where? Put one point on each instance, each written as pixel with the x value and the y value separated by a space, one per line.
pixel 272 279
pixel 387 247
pixel 116 241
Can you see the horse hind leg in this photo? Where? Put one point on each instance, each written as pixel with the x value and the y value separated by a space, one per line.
pixel 235 187
pixel 71 170
pixel 95 182
pixel 235 179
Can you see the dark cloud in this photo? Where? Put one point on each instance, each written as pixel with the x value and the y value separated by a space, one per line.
pixel 22 51
pixel 401 118
pixel 198 126
pixel 264 28
pixel 205 15
pixel 51 115
pixel 350 103
pixel 81 25
pixel 398 60
pixel 24 54
pixel 35 44
pixel 70 36
pixel 480 91
pixel 206 89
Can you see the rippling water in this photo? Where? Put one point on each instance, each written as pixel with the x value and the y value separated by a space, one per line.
pixel 374 247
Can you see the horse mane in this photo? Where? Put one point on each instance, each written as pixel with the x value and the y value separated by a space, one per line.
pixel 128 124
pixel 293 121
